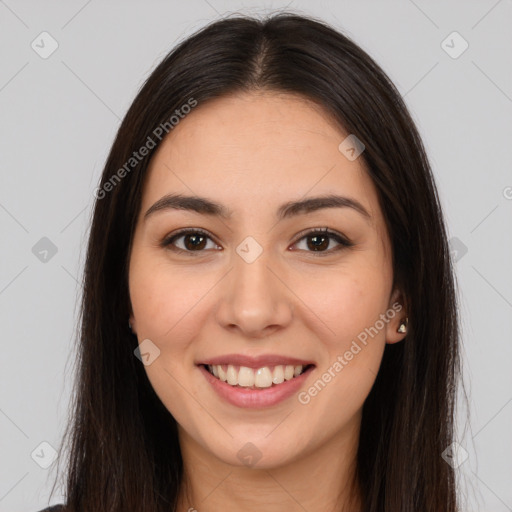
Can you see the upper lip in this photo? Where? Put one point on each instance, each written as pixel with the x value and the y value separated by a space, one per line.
pixel 255 362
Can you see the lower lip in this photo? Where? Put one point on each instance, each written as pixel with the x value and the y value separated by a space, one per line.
pixel 256 398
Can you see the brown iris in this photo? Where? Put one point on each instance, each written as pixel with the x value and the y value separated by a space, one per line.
pixel 198 241
pixel 318 246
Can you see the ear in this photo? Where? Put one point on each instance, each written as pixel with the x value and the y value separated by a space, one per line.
pixel 397 313
pixel 132 323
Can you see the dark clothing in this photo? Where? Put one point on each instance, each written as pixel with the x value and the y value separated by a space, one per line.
pixel 55 508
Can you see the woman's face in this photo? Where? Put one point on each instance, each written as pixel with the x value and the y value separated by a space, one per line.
pixel 258 288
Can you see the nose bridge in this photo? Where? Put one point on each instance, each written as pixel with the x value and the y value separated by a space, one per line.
pixel 255 298
pixel 251 273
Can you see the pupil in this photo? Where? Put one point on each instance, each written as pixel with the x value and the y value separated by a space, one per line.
pixel 320 245
pixel 197 243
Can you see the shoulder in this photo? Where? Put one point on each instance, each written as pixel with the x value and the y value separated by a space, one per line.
pixel 54 508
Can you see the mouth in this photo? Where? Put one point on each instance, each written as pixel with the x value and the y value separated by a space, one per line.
pixel 255 378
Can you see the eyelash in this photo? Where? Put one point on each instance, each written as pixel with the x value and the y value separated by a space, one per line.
pixel 344 242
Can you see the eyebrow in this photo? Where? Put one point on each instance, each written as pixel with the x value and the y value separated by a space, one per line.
pixel 206 206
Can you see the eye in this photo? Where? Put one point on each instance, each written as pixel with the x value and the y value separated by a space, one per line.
pixel 319 240
pixel 194 240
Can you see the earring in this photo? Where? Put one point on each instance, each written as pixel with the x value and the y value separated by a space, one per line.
pixel 130 326
pixel 403 326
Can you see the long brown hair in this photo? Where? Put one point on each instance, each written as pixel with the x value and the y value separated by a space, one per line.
pixel 123 446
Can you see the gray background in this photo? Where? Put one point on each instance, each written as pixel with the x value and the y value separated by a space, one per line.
pixel 58 119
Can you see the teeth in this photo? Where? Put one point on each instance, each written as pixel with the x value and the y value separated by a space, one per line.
pixel 263 378
pixel 232 375
pixel 222 373
pixel 278 375
pixel 249 378
pixel 246 377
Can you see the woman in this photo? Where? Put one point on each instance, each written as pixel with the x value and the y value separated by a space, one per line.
pixel 269 317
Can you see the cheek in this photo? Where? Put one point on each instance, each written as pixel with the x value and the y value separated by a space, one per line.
pixel 166 304
pixel 171 308
pixel 347 301
pixel 350 305
pixel 163 298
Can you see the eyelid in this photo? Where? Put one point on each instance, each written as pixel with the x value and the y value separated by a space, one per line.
pixel 168 239
pixel 341 239
pixel 325 231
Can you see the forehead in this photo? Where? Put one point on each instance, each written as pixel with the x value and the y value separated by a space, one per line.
pixel 255 149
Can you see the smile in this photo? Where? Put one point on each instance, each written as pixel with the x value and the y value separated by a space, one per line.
pixel 256 388
pixel 255 378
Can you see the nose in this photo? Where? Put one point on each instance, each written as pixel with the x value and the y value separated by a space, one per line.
pixel 255 300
